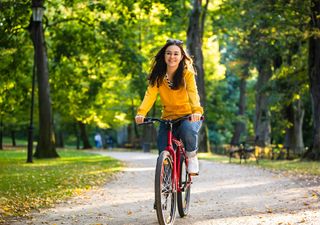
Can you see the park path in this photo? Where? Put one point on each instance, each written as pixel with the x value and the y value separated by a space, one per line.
pixel 223 194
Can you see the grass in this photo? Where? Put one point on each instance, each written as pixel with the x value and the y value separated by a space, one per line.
pixel 19 142
pixel 28 186
pixel 291 166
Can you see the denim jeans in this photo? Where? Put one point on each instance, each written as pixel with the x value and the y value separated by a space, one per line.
pixel 185 130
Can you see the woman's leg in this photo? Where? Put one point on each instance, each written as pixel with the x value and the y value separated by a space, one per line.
pixel 162 138
pixel 188 132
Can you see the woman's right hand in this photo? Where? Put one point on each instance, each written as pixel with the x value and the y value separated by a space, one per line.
pixel 139 119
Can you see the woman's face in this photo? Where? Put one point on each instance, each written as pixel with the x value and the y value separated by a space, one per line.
pixel 173 56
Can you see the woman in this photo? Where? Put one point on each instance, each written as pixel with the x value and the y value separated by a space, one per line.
pixel 173 77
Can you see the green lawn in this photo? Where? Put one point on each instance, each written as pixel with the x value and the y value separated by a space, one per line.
pixel 291 166
pixel 25 186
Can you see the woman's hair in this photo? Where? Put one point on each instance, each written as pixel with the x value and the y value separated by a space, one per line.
pixel 159 66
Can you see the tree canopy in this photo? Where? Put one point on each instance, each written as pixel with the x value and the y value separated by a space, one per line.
pixel 258 65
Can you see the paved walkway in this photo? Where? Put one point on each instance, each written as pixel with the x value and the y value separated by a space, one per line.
pixel 222 194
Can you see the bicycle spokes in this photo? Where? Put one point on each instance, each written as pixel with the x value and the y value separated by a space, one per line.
pixel 184 189
pixel 165 195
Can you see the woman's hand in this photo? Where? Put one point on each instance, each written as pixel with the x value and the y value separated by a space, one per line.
pixel 195 117
pixel 139 119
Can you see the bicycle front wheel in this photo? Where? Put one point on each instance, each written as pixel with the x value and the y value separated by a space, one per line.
pixel 185 189
pixel 165 193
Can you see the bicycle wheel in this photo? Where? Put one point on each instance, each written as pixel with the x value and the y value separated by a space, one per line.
pixel 184 194
pixel 165 195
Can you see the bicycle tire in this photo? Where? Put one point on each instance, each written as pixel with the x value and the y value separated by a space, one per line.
pixel 165 193
pixel 184 194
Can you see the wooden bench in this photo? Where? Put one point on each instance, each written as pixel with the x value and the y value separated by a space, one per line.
pixel 244 151
pixel 280 152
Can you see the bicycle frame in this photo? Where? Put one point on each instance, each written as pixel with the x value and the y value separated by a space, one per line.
pixel 176 155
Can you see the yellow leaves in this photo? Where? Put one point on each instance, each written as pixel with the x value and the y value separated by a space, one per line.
pixel 78 191
pixel 214 70
pixel 4 210
pixel 296 97
pixel 120 116
pixel 315 194
pixel 302 221
pixel 45 182
pixel 269 210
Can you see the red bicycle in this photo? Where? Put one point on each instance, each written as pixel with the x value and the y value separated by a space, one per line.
pixel 172 181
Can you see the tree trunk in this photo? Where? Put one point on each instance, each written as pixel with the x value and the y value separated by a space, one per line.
pixel 46 143
pixel 194 46
pixel 262 116
pixel 77 135
pixel 294 114
pixel 59 138
pixel 294 138
pixel 1 133
pixel 314 78
pixel 298 146
pixel 240 126
pixel 133 111
pixel 130 135
pixel 147 133
pixel 13 138
pixel 84 136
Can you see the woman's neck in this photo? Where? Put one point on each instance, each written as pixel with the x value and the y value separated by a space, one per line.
pixel 171 71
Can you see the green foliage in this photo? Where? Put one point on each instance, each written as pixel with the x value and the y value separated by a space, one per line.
pixel 99 55
pixel 25 186
pixel 252 31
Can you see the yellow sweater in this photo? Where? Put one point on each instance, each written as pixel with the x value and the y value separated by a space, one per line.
pixel 175 103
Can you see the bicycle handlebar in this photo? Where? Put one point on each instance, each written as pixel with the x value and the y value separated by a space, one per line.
pixel 151 120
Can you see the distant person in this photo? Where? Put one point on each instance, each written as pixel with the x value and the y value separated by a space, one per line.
pixel 98 140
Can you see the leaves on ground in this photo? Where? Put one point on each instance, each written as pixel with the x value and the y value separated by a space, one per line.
pixel 25 187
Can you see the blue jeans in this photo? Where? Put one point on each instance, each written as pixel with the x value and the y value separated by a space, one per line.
pixel 185 130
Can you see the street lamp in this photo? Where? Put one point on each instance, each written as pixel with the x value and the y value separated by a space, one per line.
pixel 37 13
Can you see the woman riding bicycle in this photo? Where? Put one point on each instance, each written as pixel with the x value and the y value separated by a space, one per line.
pixel 173 77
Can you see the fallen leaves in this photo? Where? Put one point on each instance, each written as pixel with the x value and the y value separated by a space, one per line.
pixel 315 194
pixel 26 187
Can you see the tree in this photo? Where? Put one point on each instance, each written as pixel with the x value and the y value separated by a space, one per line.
pixel 15 66
pixel 314 76
pixel 267 37
pixel 240 125
pixel 194 46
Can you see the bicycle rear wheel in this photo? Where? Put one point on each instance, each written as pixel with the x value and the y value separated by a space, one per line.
pixel 185 186
pixel 165 195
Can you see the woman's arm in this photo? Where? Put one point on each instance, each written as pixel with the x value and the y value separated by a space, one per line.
pixel 192 91
pixel 148 100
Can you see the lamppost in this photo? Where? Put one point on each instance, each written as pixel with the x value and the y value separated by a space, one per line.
pixel 37 13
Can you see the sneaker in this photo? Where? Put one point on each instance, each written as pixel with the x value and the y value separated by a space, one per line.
pixel 193 165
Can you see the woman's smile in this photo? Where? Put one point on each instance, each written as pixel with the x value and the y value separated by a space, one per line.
pixel 173 56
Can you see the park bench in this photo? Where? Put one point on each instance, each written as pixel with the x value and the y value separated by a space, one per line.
pixel 244 151
pixel 280 152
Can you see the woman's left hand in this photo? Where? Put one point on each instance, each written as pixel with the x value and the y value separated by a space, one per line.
pixel 195 117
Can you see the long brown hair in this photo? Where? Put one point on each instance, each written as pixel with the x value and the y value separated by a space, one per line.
pixel 159 66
